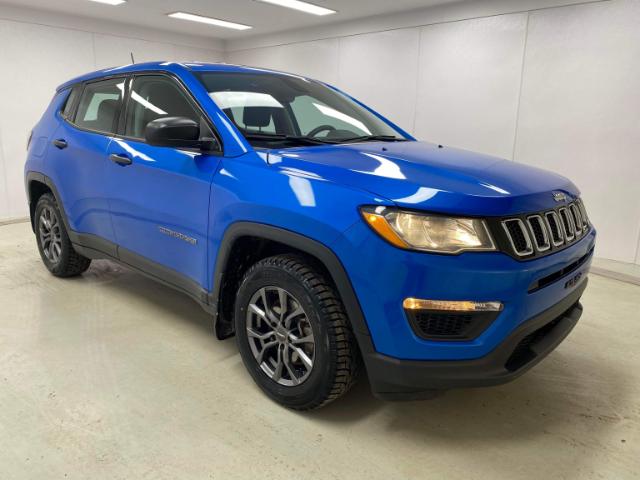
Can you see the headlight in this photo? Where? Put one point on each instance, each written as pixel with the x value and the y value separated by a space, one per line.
pixel 429 233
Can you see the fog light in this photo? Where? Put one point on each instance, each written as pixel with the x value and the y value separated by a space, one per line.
pixel 453 306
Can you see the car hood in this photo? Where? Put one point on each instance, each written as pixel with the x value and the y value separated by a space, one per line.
pixel 429 177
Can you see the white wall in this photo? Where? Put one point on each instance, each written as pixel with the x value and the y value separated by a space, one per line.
pixel 552 87
pixel 534 81
pixel 36 58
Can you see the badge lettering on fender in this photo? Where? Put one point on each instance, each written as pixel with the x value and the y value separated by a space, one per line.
pixel 178 235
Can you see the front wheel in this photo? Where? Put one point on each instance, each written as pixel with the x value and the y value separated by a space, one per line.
pixel 293 334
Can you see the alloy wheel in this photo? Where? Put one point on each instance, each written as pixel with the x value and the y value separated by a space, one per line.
pixel 50 234
pixel 280 336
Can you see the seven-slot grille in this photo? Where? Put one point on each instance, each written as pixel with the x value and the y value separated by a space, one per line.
pixel 544 231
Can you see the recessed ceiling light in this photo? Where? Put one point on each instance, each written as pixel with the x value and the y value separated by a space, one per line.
pixel 110 2
pixel 302 6
pixel 211 21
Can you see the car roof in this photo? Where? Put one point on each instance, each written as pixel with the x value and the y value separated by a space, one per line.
pixel 172 67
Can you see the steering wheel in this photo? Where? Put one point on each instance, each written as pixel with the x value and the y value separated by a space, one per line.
pixel 321 128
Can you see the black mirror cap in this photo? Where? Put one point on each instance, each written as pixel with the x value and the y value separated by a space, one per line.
pixel 177 132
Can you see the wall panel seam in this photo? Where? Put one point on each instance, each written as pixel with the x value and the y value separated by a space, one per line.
pixel 406 27
pixel 522 71
pixel 418 69
pixel 5 179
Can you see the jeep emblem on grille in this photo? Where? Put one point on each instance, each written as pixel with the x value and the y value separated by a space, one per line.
pixel 559 196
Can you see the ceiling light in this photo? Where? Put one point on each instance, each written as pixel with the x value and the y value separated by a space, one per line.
pixel 302 6
pixel 208 20
pixel 110 2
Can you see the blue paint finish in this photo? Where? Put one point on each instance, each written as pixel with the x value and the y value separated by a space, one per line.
pixel 312 191
pixel 383 275
pixel 163 188
pixel 78 171
pixel 422 176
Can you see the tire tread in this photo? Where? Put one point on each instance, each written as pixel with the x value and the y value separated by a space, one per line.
pixel 342 342
pixel 72 264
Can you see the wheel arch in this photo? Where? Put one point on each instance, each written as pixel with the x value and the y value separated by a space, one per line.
pixel 37 185
pixel 233 260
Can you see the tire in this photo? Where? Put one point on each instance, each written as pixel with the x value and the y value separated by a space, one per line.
pixel 321 332
pixel 55 248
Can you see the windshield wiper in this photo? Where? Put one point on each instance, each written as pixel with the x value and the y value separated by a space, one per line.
pixel 374 138
pixel 277 137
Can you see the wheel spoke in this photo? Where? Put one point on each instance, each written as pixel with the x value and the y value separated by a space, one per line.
pixel 287 364
pixel 260 336
pixel 303 356
pixel 277 373
pixel 298 341
pixel 265 347
pixel 282 298
pixel 55 248
pixel 298 311
pixel 255 309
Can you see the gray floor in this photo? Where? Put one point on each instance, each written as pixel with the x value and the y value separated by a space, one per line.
pixel 113 376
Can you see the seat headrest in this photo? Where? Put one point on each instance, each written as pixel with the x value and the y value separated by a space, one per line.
pixel 107 108
pixel 257 116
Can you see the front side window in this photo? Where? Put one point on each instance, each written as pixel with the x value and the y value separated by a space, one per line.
pixel 154 97
pixel 100 105
pixel 285 110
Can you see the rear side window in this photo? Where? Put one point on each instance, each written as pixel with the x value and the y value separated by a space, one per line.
pixel 69 104
pixel 100 105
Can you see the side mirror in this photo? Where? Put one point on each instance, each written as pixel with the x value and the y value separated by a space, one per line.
pixel 176 132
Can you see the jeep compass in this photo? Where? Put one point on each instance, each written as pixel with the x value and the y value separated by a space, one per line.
pixel 325 238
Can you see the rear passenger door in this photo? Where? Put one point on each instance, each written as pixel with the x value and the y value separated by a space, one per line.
pixel 76 160
pixel 159 196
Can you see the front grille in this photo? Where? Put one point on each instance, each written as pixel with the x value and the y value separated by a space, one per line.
pixel 540 233
pixel 518 236
pixel 447 325
pixel 554 228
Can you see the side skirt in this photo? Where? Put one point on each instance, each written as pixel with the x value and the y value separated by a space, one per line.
pixel 94 247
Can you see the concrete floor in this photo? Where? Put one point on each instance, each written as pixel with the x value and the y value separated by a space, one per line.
pixel 113 376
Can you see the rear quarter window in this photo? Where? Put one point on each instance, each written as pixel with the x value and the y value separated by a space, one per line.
pixel 69 104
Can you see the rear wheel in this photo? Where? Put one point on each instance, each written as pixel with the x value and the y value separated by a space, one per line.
pixel 293 334
pixel 55 248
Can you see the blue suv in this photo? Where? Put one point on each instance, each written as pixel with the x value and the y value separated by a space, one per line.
pixel 324 237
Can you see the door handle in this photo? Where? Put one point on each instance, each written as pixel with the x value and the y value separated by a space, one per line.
pixel 120 159
pixel 61 143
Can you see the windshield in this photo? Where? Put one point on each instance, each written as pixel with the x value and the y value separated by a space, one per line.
pixel 275 111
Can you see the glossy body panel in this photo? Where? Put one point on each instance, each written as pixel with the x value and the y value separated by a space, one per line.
pixel 173 207
pixel 251 188
pixel 160 204
pixel 79 172
pixel 423 176
pixel 383 276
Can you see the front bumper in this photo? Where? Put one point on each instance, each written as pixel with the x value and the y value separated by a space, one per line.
pixel 395 379
pixel 383 276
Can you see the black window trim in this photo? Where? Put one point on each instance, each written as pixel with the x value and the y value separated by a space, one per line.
pixel 129 77
pixel 83 87
pixel 190 99
pixel 74 105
